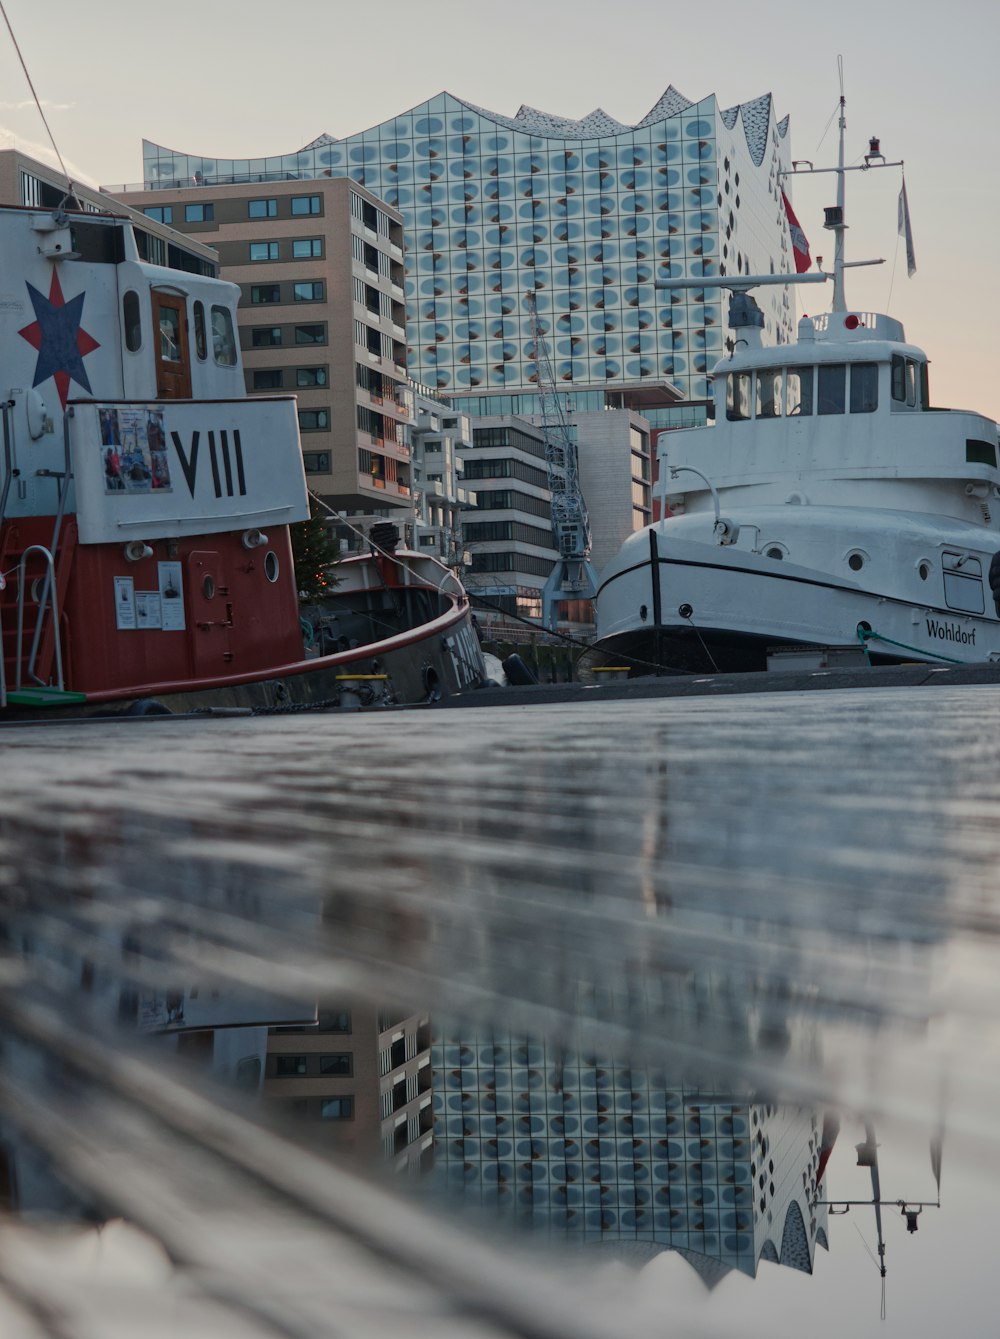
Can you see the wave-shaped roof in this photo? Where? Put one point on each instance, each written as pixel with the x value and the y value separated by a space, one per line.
pixel 755 116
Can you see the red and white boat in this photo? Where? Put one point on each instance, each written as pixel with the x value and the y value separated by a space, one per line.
pixel 145 502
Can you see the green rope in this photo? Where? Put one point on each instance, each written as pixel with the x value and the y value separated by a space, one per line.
pixel 865 635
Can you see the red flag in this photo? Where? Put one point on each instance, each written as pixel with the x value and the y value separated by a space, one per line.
pixel 800 244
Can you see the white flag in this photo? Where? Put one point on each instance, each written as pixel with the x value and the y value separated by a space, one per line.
pixel 906 232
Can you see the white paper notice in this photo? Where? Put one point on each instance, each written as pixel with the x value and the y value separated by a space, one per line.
pixel 171 597
pixel 147 609
pixel 124 603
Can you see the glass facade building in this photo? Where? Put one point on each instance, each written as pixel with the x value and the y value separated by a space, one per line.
pixel 599 1149
pixel 590 215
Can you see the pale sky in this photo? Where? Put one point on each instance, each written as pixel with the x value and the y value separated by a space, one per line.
pixel 246 78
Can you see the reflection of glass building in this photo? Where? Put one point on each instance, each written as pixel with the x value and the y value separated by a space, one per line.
pixel 589 214
pixel 603 1151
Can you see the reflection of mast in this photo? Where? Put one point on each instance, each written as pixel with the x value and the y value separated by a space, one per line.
pixel 910 1209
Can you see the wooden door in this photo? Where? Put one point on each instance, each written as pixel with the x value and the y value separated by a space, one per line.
pixel 171 348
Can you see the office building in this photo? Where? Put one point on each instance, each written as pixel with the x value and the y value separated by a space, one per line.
pixel 438 435
pixel 589 215
pixel 364 1075
pixel 320 270
pixel 509 534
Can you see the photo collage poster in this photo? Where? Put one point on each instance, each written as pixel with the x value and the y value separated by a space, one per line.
pixel 134 451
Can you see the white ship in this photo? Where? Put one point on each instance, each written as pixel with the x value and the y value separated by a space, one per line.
pixel 829 506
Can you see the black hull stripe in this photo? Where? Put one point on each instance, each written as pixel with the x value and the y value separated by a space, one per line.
pixel 801 581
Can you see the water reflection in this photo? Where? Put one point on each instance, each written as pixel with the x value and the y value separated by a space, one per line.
pixel 611 977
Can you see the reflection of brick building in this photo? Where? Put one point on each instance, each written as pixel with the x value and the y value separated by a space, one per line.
pixel 366 1073
pixel 603 1151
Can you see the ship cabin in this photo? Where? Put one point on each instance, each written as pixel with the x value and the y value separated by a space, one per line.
pixel 843 363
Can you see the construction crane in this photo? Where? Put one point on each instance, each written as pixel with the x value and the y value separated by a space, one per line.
pixel 573 577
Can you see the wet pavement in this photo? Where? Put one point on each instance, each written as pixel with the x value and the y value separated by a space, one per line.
pixel 677 958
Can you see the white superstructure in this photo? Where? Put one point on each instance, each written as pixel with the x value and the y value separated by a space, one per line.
pixel 830 505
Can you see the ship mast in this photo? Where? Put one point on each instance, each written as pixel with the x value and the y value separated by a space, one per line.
pixel 839 226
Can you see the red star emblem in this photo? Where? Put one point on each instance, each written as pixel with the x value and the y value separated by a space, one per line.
pixel 57 335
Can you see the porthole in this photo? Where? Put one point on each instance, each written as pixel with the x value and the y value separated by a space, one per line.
pixel 774 551
pixel 923 569
pixel 208 588
pixel 272 567
pixel 856 560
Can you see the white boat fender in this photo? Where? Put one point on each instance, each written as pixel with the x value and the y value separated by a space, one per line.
pixel 495 677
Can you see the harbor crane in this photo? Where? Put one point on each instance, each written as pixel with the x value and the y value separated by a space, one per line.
pixel 573 576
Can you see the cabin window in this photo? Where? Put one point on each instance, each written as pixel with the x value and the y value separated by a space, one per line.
pixel 738 395
pixel 132 319
pixel 832 380
pixel 899 378
pixel 980 453
pixel 963 582
pixel 904 380
pixel 925 386
pixel 170 334
pixel 864 388
pixel 200 340
pixel 768 394
pixel 799 390
pixel 223 338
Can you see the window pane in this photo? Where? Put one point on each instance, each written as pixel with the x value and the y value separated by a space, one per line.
pixel 305 204
pixel 768 394
pixel 864 388
pixel 263 250
pixel 290 1064
pixel 334 1020
pixel 308 292
pixel 199 213
pixel 738 396
pixel 305 247
pixel 170 335
pixel 310 376
pixel 265 336
pixel 269 380
pixel 336 1064
pixel 911 382
pixel 310 334
pixel 223 339
pixel 799 390
pixel 264 293
pixel 132 321
pixel 898 377
pixel 262 209
pixel 200 338
pixel 337 1108
pixel 832 379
